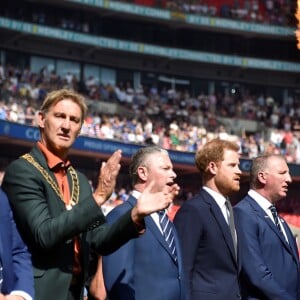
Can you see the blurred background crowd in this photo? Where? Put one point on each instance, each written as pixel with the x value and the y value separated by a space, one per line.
pixel 173 119
pixel 272 12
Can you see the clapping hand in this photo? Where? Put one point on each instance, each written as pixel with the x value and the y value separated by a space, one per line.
pixel 107 177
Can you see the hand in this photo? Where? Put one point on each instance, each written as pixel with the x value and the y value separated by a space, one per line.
pixel 175 189
pixel 151 201
pixel 107 177
pixel 97 287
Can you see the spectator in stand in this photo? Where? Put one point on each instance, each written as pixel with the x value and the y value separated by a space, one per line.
pixel 206 228
pixel 3 111
pixel 268 250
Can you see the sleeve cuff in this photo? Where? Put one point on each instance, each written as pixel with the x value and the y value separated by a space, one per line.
pixel 23 294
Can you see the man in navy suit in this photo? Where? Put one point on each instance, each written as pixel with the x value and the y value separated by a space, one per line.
pixel 269 253
pixel 202 223
pixel 17 276
pixel 144 268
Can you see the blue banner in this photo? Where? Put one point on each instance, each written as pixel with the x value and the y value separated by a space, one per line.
pixel 32 134
pixel 83 143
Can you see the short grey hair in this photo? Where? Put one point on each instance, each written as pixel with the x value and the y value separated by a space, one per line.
pixel 261 164
pixel 139 159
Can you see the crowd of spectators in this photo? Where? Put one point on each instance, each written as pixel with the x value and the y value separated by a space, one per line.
pixel 168 117
pixel 273 12
pixel 172 119
pixel 269 12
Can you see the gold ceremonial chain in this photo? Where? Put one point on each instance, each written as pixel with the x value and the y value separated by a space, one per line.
pixel 53 184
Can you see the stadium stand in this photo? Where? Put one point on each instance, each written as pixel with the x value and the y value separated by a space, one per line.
pixel 173 119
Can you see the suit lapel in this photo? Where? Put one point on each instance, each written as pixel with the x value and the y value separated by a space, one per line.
pixel 220 220
pixel 264 216
pixel 150 225
pixel 291 239
pixel 40 159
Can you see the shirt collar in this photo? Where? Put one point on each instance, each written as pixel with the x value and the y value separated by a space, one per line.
pixel 220 199
pixel 136 194
pixel 261 201
pixel 52 160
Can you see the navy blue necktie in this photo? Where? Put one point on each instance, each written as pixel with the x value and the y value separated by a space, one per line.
pixel 275 216
pixel 167 230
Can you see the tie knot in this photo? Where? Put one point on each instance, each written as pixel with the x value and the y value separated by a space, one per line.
pixel 228 203
pixel 273 209
pixel 275 217
pixel 161 213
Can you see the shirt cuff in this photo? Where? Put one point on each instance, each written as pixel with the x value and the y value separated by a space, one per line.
pixel 21 294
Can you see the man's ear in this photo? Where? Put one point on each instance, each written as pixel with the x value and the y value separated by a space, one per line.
pixel 262 177
pixel 142 173
pixel 40 119
pixel 212 167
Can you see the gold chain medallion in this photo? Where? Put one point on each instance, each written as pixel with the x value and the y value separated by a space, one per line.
pixel 53 184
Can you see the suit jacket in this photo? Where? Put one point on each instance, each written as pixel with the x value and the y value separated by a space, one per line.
pixel 14 255
pixel 48 228
pixel 270 264
pixel 143 269
pixel 209 261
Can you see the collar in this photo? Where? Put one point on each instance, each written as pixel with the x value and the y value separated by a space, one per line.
pixel 220 199
pixel 261 201
pixel 136 194
pixel 52 160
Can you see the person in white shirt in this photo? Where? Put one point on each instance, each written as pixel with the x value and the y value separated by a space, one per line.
pixel 205 228
pixel 149 267
pixel 269 254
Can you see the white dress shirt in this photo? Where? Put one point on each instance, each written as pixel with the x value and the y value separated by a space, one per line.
pixel 265 205
pixel 220 200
